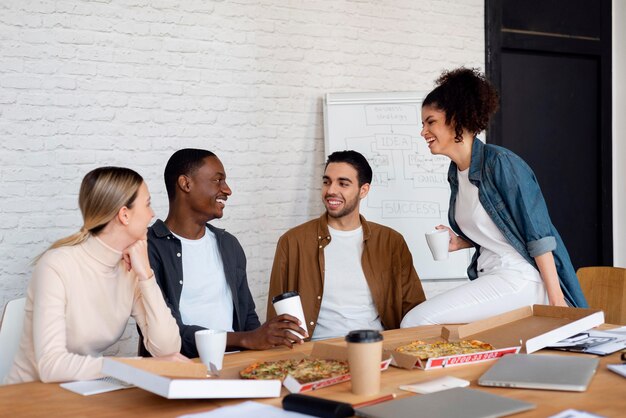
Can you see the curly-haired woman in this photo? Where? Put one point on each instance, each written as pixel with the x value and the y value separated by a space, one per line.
pixel 496 207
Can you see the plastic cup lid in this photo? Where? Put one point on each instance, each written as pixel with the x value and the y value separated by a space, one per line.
pixel 285 295
pixel 364 336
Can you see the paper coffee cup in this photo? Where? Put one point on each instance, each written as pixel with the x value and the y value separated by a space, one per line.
pixel 211 345
pixel 438 242
pixel 365 349
pixel 290 303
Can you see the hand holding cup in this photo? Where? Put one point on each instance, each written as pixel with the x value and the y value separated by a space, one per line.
pixel 439 243
pixel 290 303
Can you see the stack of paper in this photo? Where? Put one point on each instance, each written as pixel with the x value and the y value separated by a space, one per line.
pixel 594 342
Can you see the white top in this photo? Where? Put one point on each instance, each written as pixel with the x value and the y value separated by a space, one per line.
pixel 496 253
pixel 77 305
pixel 347 303
pixel 206 299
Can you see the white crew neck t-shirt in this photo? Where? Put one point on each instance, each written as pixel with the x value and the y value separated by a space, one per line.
pixel 496 253
pixel 206 299
pixel 347 303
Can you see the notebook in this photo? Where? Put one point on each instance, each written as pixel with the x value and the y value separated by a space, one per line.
pixel 450 403
pixel 94 387
pixel 534 371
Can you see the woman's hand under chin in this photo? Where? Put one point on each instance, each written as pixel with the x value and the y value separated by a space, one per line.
pixel 135 257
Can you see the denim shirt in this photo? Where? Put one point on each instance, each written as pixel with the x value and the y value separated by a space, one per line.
pixel 510 194
pixel 165 251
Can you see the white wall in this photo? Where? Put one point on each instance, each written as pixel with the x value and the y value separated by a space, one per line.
pixel 619 133
pixel 127 82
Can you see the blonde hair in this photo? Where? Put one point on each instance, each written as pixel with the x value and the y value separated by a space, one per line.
pixel 103 192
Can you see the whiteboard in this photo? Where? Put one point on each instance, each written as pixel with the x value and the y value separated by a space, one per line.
pixel 409 190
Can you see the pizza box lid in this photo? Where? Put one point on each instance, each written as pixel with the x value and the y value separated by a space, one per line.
pixel 526 329
pixel 177 380
pixel 531 327
pixel 328 351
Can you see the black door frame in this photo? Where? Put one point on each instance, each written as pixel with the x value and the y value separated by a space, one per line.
pixel 497 39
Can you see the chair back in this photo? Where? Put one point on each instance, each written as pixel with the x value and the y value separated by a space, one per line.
pixel 10 334
pixel 605 288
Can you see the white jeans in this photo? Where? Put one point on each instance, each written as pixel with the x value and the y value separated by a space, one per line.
pixel 486 296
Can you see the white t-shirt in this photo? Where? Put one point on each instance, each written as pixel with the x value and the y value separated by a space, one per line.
pixel 496 253
pixel 206 299
pixel 347 303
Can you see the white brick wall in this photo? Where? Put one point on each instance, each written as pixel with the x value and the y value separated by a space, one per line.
pixel 127 82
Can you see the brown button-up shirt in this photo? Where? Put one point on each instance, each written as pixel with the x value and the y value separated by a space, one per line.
pixel 387 265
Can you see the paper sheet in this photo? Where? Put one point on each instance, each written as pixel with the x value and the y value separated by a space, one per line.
pixel 247 409
pixel 620 330
pixel 618 368
pixel 93 387
pixel 435 385
pixel 574 413
pixel 594 342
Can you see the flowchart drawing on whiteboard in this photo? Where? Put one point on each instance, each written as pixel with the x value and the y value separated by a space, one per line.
pixel 410 191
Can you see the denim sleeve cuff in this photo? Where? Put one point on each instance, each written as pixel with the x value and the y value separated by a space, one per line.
pixel 541 246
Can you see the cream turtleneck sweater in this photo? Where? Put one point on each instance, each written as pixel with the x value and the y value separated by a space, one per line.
pixel 78 303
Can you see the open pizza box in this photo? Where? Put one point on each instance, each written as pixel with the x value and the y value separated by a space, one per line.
pixel 326 351
pixel 527 329
pixel 176 380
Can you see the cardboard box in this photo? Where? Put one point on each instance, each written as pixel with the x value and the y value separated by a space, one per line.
pixel 175 380
pixel 408 361
pixel 327 351
pixel 527 329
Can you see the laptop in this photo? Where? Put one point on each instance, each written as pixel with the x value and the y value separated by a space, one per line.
pixel 535 371
pixel 450 403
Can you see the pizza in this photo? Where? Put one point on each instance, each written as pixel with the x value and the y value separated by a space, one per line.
pixel 304 370
pixel 268 370
pixel 425 350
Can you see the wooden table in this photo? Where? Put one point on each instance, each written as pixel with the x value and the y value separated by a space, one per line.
pixel 605 396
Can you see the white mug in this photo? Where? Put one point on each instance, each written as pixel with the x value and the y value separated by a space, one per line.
pixel 211 345
pixel 438 242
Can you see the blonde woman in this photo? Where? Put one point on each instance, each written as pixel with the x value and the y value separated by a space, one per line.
pixel 86 286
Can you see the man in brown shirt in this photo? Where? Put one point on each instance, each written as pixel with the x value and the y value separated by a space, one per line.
pixel 350 273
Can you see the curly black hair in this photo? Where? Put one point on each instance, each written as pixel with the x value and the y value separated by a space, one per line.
pixel 467 97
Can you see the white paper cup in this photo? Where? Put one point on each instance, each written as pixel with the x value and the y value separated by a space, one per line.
pixel 211 345
pixel 290 303
pixel 438 242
